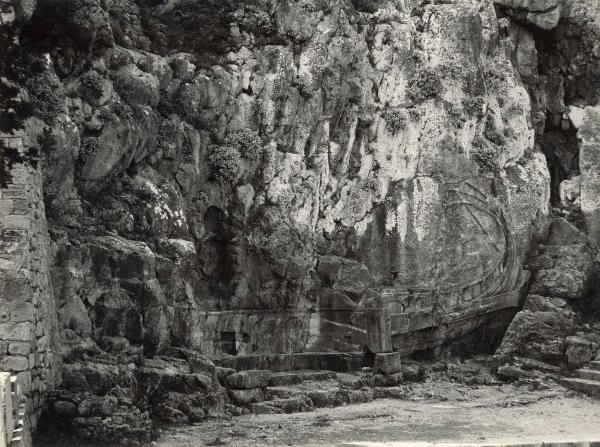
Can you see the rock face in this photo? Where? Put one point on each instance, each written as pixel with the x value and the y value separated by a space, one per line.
pixel 207 195
pixel 589 160
pixel 556 325
pixel 265 178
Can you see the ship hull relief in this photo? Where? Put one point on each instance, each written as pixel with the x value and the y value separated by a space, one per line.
pixel 472 271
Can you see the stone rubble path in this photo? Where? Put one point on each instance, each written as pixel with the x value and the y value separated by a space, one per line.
pixel 586 379
pixel 437 414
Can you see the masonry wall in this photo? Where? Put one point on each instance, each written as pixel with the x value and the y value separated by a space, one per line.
pixel 28 322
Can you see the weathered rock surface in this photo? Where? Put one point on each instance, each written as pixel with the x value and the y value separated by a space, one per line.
pixel 273 187
pixel 545 330
pixel 589 160
pixel 537 335
pixel 229 180
pixel 115 395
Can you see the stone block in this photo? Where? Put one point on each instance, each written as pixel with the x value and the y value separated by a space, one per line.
pixel 19 348
pixel 17 289
pixel 22 313
pixel 24 380
pixel 13 192
pixel 42 343
pixel 16 221
pixel 6 206
pixel 15 331
pixel 20 206
pixel 387 363
pixel 257 378
pixel 14 363
pixel 379 330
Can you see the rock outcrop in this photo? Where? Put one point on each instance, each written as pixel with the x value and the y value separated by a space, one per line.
pixel 229 179
pixel 329 151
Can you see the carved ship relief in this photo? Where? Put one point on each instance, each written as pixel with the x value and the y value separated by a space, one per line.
pixel 409 318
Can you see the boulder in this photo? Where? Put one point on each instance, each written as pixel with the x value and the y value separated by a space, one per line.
pixel 579 351
pixel 538 335
pixel 537 303
pixel 412 371
pixel 98 406
pixel 223 373
pixel 563 232
pixel 511 372
pixel 576 116
pixel 530 5
pixel 247 396
pixel 569 192
pixel 137 86
pixel 543 14
pixel 65 408
pixel 572 267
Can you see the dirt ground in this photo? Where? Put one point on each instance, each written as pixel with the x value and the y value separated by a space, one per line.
pixel 435 412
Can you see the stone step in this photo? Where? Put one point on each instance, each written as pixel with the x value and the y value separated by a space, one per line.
pixel 594 365
pixel 584 385
pixel 590 374
pixel 327 396
pixel 296 377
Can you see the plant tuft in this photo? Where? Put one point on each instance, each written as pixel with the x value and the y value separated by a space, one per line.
pixel 395 120
pixel 486 155
pixel 425 84
pixel 247 142
pixel 226 163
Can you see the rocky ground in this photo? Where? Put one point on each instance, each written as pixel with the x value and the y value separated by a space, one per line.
pixel 452 400
pixel 437 410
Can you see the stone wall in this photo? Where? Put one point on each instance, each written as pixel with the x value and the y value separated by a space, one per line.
pixel 28 323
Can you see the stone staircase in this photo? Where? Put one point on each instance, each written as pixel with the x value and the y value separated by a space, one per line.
pixel 586 379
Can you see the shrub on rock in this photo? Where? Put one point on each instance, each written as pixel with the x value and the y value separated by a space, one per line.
pixel 46 96
pixel 425 84
pixel 485 155
pixel 226 162
pixel 89 147
pixel 247 142
pixel 395 120
pixel 94 88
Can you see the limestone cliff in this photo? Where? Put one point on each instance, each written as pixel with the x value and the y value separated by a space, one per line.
pixel 248 177
pixel 269 161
